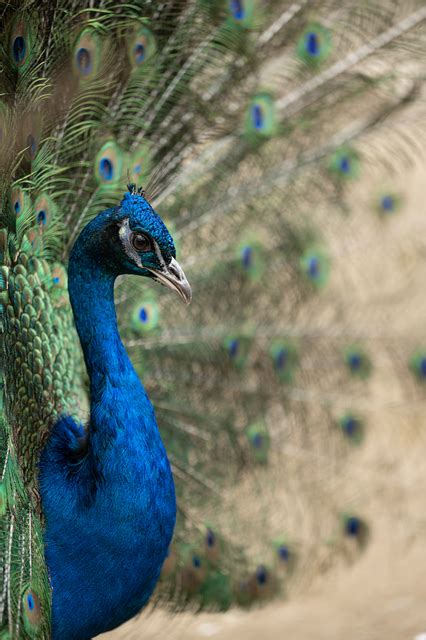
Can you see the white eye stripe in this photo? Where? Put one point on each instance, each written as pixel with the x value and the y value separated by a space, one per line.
pixel 159 255
pixel 124 233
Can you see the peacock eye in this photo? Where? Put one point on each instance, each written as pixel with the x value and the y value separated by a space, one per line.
pixel 141 242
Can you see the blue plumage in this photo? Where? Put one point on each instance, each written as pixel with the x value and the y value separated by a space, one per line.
pixel 108 493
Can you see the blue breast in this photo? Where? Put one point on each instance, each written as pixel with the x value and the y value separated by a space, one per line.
pixel 108 497
pixel 109 522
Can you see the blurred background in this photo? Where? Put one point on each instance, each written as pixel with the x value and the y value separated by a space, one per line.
pixel 282 143
pixel 305 244
pixel 338 591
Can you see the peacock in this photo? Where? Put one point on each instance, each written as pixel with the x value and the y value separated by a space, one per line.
pixel 263 148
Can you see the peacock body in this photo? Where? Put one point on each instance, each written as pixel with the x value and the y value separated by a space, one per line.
pixel 116 480
pixel 250 125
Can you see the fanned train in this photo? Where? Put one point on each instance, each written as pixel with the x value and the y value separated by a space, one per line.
pixel 259 147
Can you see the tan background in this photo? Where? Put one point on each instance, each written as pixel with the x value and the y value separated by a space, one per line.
pixel 382 596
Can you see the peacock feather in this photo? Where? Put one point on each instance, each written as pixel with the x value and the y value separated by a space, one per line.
pixel 271 137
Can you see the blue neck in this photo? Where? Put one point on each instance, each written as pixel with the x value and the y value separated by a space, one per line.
pixel 110 514
pixel 115 389
pixel 91 290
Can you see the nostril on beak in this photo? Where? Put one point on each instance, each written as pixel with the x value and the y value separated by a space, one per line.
pixel 175 269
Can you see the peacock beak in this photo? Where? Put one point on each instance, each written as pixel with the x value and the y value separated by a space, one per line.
pixel 173 277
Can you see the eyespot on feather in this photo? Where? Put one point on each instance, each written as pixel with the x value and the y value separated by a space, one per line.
pixel 21 43
pixel 212 546
pixel 141 48
pixel 262 584
pixel 314 45
pixel 237 349
pixel 109 164
pixel 345 163
pixel 58 285
pixel 194 569
pixel 315 266
pixel 87 54
pixel 284 358
pixel 357 362
pixel 20 202
pixel 31 612
pixel 241 12
pixel 259 441
pixel 260 117
pixel 352 427
pixel 285 556
pixel 44 210
pixel 356 529
pixel 250 257
pixel 387 203
pixel 145 315
pixel 59 276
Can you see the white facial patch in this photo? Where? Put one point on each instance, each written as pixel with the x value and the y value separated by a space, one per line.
pixel 124 234
pixel 160 258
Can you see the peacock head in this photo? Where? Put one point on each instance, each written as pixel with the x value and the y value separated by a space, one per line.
pixel 146 247
pixel 135 240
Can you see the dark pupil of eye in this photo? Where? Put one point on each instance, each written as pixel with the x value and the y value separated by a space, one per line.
pixel 141 243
